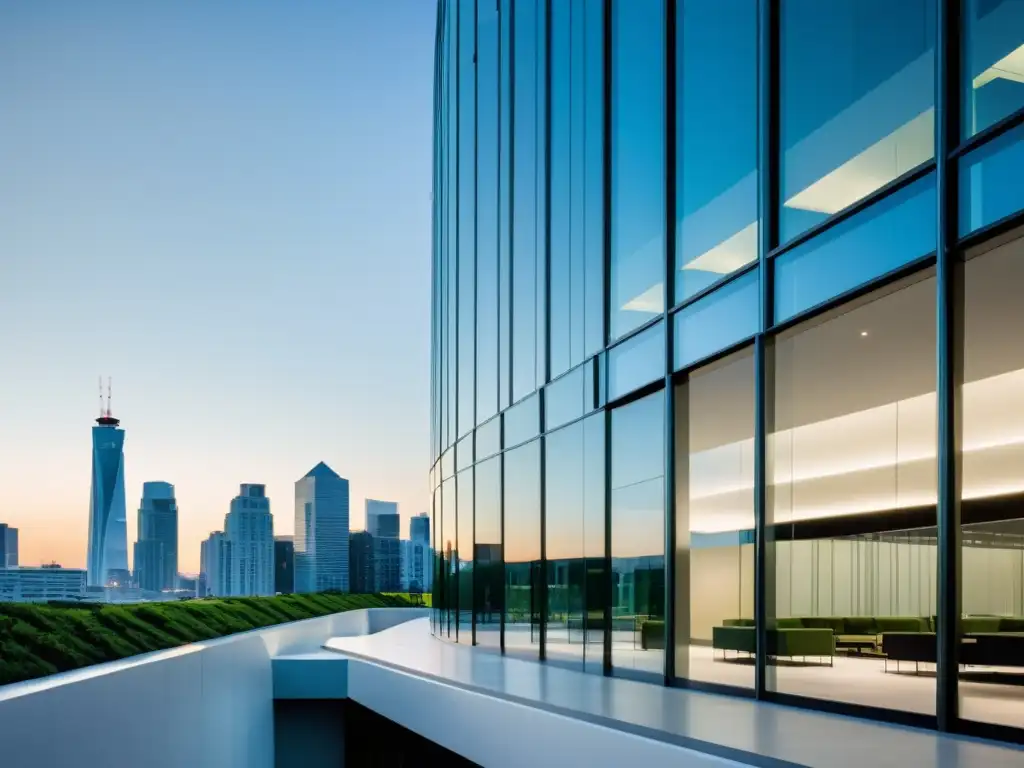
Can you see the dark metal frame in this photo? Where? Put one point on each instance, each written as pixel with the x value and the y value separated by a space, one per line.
pixel 947 263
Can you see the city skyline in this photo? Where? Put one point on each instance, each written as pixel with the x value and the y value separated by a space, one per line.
pixel 209 302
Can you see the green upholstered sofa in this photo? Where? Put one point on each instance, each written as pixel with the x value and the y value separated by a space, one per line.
pixel 788 642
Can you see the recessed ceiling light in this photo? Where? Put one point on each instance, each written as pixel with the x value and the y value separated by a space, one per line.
pixel 863 333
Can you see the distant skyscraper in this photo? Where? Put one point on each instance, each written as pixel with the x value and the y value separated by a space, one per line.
pixel 107 557
pixel 321 531
pixel 360 568
pixel 419 528
pixel 215 565
pixel 284 564
pixel 249 527
pixel 415 575
pixel 380 513
pixel 8 546
pixel 156 551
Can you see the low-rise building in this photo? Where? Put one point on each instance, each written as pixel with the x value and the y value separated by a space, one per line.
pixel 38 585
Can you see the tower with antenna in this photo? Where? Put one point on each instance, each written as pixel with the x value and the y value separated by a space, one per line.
pixel 107 556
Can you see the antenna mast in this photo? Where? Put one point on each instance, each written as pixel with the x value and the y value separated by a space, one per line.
pixel 109 380
pixel 101 397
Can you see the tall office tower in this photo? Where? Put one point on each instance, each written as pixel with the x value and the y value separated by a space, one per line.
pixel 284 564
pixel 107 557
pixel 360 567
pixel 156 551
pixel 250 530
pixel 215 565
pixel 381 513
pixel 419 528
pixel 8 546
pixel 321 531
pixel 414 574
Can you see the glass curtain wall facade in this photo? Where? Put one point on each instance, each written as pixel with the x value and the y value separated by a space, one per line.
pixel 725 387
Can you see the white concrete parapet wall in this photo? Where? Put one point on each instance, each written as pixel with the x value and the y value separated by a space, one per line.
pixel 204 704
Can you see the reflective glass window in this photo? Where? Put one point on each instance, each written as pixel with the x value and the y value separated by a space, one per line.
pixel 574 544
pixel 992 487
pixel 488 438
pixel 718 320
pixel 638 534
pixel 464 556
pixel 592 204
pixel 528 195
pixel 467 217
pixel 714 547
pixel 565 399
pixel 993 62
pixel 489 579
pixel 990 181
pixel 523 576
pixel 448 463
pixel 464 453
pixel 637 281
pixel 636 361
pixel 876 241
pixel 522 421
pixel 487 212
pixel 452 203
pixel 562 156
pixel 436 573
pixel 716 141
pixel 852 505
pixel 857 101
pixel 504 204
pixel 447 554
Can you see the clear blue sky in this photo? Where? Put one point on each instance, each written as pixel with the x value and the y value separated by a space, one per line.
pixel 225 206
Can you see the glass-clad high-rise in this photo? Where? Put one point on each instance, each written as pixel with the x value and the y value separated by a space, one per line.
pixel 107 554
pixel 726 380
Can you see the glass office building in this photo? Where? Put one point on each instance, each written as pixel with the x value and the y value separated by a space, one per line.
pixel 727 381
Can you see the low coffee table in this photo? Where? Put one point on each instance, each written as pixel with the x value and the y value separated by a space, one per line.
pixel 856 643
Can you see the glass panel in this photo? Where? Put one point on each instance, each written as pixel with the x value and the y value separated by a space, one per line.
pixel 488 438
pixel 637 361
pixel 886 236
pixel 467 216
pixel 504 205
pixel 852 501
pixel 567 635
pixel 451 198
pixel 563 148
pixel 993 62
pixel 436 582
pixel 489 600
pixel 718 320
pixel 638 164
pixel 448 553
pixel 593 174
pixel 564 399
pixel 487 212
pixel 464 453
pixel 574 536
pixel 638 534
pixel 528 214
pixel 464 556
pixel 992 564
pixel 714 550
pixel 522 421
pixel 716 141
pixel 990 181
pixel 858 96
pixel 522 550
pixel 448 463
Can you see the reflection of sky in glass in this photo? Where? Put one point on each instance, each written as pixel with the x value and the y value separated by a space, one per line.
pixel 522 504
pixel 636 362
pixel 897 230
pixel 564 399
pixel 522 421
pixel 638 163
pixel 993 82
pixel 990 181
pixel 638 503
pixel 717 141
pixel 564 493
pixel 720 319
pixel 872 122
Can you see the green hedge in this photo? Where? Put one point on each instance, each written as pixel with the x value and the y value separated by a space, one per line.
pixel 39 639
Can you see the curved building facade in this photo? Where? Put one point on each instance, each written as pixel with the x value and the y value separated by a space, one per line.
pixel 726 385
pixel 108 524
